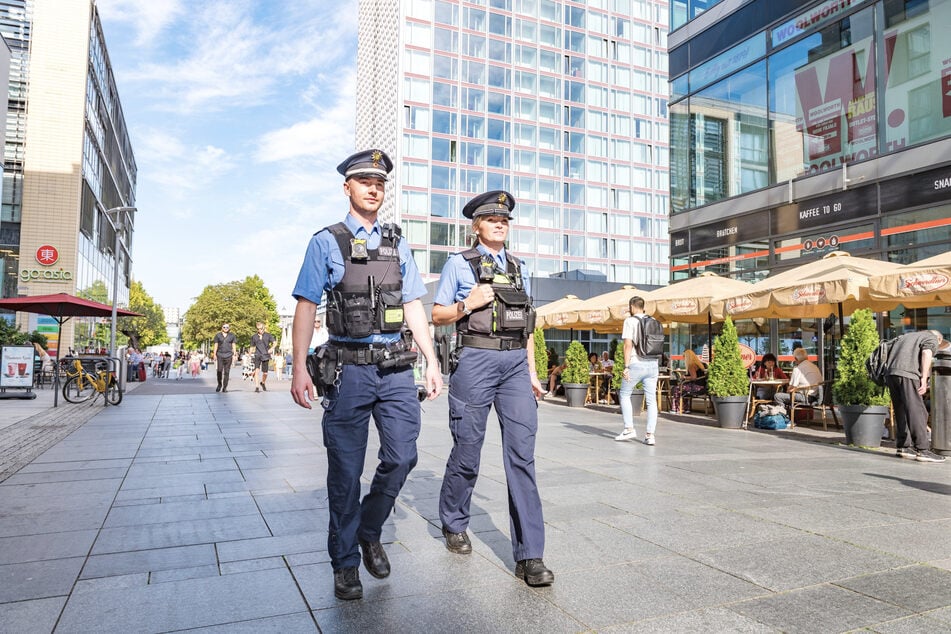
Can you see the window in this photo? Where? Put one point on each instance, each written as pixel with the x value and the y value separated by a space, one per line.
pixel 445 13
pixel 417 118
pixel 416 89
pixel 500 77
pixel 418 62
pixel 443 150
pixel 444 122
pixel 473 45
pixel 445 67
pixel 445 94
pixel 498 157
pixel 443 177
pixel 500 51
pixel 474 19
pixel 526 56
pixel 525 108
pixel 500 24
pixel 473 126
pixel 444 40
pixel 499 103
pixel 525 134
pixel 473 72
pixel 473 99
pixel 499 130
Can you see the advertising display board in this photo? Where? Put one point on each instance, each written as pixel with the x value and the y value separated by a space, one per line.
pixel 16 366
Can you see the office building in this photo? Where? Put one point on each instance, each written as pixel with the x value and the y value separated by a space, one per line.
pixel 561 103
pixel 798 128
pixel 67 159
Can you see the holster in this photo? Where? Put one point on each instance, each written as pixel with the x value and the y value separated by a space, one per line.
pixel 322 366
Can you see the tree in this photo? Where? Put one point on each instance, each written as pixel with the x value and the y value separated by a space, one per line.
pixel 240 303
pixel 148 330
pixel 11 335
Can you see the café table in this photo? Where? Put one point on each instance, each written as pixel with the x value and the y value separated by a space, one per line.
pixel 752 401
pixel 594 383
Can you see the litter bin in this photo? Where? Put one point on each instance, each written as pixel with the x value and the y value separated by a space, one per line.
pixel 941 403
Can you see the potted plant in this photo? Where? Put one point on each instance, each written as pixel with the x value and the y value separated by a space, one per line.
pixel 575 378
pixel 862 404
pixel 617 375
pixel 727 380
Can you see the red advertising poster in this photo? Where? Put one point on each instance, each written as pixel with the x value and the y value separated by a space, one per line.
pixel 833 102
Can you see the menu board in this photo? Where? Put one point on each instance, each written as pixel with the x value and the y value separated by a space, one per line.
pixel 16 366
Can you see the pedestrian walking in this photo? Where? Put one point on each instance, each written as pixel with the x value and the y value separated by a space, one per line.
pixel 373 292
pixel 638 368
pixel 485 292
pixel 262 344
pixel 320 335
pixel 222 350
pixel 907 376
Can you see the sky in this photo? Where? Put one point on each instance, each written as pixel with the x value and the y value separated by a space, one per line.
pixel 238 112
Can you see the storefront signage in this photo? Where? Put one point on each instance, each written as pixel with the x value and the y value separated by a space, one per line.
pixel 816 213
pixel 45 275
pixel 47 255
pixel 16 366
pixel 732 231
pixel 679 243
pixel 933 186
pixel 922 283
pixel 811 19
pixel 748 355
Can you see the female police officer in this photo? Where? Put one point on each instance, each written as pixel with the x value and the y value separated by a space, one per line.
pixel 485 292
pixel 372 286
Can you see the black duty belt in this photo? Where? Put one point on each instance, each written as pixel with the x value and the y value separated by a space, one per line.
pixel 363 353
pixel 490 343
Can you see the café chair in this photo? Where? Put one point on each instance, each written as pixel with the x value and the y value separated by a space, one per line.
pixel 820 400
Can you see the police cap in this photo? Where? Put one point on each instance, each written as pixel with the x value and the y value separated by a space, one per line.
pixel 366 163
pixel 494 203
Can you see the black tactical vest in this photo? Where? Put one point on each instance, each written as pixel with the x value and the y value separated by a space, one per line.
pixel 510 315
pixel 369 298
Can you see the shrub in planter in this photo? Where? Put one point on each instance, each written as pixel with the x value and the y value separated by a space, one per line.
pixel 576 364
pixel 852 385
pixel 862 404
pixel 727 379
pixel 726 375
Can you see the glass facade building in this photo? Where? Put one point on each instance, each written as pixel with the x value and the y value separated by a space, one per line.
pixel 67 159
pixel 802 127
pixel 561 103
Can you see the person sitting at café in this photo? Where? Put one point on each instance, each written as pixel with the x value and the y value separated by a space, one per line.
pixel 805 373
pixel 607 362
pixel 768 370
pixel 693 383
pixel 594 363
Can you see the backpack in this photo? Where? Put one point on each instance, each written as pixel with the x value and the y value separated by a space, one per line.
pixel 877 363
pixel 650 342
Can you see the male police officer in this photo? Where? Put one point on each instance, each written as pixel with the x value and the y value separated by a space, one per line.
pixel 372 286
pixel 485 292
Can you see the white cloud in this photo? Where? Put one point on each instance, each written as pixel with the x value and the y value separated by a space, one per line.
pixel 167 160
pixel 147 19
pixel 241 52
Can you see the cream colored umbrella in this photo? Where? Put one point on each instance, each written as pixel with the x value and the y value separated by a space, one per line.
pixel 918 285
pixel 686 301
pixel 544 315
pixel 816 289
pixel 594 313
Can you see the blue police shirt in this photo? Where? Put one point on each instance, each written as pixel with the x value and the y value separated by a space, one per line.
pixel 457 278
pixel 323 268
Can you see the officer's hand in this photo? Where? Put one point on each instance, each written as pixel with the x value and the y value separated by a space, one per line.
pixel 302 389
pixel 537 388
pixel 433 380
pixel 479 296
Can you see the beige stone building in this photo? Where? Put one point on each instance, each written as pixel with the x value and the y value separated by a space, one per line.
pixel 68 160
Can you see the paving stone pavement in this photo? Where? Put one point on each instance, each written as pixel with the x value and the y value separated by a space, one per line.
pixel 183 509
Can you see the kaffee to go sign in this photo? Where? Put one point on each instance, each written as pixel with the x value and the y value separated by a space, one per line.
pixel 47 255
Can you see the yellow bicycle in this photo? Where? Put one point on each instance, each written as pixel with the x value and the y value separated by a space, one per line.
pixel 81 385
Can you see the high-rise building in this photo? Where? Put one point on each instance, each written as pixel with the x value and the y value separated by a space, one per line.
pixel 563 104
pixel 67 160
pixel 802 127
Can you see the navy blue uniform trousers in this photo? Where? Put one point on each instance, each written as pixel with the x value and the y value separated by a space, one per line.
pixel 390 396
pixel 484 378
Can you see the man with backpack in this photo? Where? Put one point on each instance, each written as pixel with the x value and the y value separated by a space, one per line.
pixel 908 370
pixel 643 347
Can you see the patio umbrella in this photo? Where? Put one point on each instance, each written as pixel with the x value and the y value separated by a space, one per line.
pixel 688 301
pixel 594 313
pixel 918 285
pixel 836 283
pixel 545 315
pixel 62 306
pixel 816 289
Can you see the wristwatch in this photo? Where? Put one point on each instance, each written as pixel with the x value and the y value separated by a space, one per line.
pixel 463 308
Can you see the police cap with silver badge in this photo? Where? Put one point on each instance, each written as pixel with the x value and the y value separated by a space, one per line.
pixel 494 203
pixel 366 163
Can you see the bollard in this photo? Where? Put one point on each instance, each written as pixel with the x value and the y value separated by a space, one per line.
pixel 941 403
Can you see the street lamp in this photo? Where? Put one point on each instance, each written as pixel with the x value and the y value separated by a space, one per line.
pixel 119 223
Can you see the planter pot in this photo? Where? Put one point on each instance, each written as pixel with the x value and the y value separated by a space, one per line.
pixel 863 424
pixel 731 411
pixel 637 401
pixel 575 393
